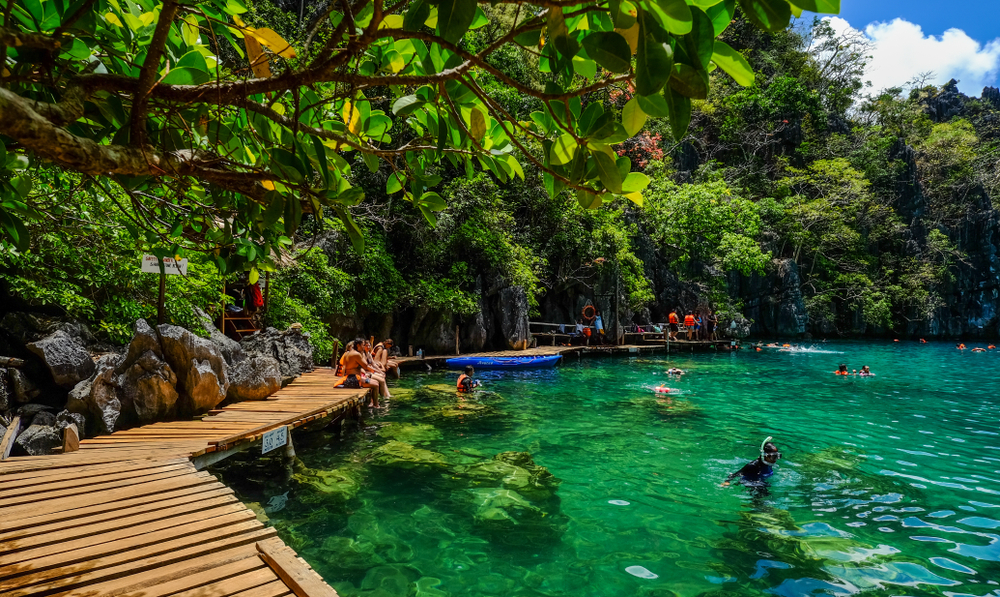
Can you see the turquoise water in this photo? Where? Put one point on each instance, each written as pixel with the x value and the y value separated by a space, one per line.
pixel 888 485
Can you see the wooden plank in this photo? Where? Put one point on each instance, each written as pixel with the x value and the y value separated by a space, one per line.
pixel 60 472
pixel 275 588
pixel 236 584
pixel 74 502
pixel 134 562
pixel 138 582
pixel 110 542
pixel 8 437
pixel 60 533
pixel 198 579
pixel 91 482
pixel 302 580
pixel 123 509
pixel 62 490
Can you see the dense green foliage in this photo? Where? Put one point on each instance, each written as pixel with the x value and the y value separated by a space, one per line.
pixel 800 165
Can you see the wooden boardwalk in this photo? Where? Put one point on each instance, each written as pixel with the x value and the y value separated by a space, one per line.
pixel 130 515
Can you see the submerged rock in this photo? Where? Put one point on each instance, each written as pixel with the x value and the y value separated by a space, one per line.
pixel 410 432
pixel 342 483
pixel 516 471
pixel 503 506
pixel 401 454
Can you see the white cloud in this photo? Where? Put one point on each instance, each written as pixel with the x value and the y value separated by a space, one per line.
pixel 902 51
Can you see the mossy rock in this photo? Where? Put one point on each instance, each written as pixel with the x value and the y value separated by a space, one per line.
pixel 515 471
pixel 410 432
pixel 503 507
pixel 343 483
pixel 349 554
pixel 402 454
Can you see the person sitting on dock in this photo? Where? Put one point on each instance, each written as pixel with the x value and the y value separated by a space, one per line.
pixel 381 353
pixel 689 323
pixel 755 473
pixel 465 381
pixel 355 368
pixel 674 323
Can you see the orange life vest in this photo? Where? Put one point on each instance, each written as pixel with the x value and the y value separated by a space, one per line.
pixel 459 385
pixel 673 318
pixel 841 373
pixel 689 321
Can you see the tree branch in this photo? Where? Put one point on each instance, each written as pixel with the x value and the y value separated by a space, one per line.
pixel 150 70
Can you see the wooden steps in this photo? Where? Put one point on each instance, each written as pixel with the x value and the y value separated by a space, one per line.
pixel 130 515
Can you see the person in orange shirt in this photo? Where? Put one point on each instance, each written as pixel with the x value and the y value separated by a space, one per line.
pixel 674 323
pixel 689 323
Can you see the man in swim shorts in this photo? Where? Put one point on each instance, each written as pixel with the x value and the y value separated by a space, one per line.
pixel 755 473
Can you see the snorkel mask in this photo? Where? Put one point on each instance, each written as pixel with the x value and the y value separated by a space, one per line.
pixel 764 455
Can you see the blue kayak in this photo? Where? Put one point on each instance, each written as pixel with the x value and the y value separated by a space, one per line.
pixel 535 362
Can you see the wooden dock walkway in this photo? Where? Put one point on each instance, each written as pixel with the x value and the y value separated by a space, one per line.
pixel 130 514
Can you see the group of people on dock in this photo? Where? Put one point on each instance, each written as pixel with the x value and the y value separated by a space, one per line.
pixel 697 325
pixel 365 366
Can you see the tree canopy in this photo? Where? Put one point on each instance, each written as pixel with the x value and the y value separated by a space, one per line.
pixel 218 136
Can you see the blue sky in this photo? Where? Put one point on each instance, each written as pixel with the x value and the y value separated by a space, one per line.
pixel 980 19
pixel 952 38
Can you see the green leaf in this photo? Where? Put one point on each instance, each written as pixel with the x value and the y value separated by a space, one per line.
pixel 770 15
pixel 607 171
pixel 587 199
pixel 591 114
pixel 735 65
pixel 689 82
pixel 406 105
pixel 722 15
pixel 584 67
pixel 186 75
pixel 635 182
pixel 529 38
pixel 675 15
pixel 821 6
pixel 610 50
pixel 432 201
pixel 293 215
pixel 371 160
pixel 415 16
pixel 654 105
pixel 633 117
pixel 274 209
pixel 353 232
pixel 351 196
pixel 705 3
pixel 680 112
pixel 395 183
pixel 562 150
pixel 654 62
pixel 454 18
pixel 700 42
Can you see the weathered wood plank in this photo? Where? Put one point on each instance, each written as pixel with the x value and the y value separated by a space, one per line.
pixel 8 437
pixel 302 580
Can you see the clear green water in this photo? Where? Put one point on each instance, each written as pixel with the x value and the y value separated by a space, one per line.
pixel 888 486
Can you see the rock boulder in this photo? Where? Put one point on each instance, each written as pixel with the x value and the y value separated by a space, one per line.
pixel 38 440
pixel 290 349
pixel 254 378
pixel 65 356
pixel 202 380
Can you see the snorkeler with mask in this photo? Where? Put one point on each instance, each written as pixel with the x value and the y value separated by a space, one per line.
pixel 753 474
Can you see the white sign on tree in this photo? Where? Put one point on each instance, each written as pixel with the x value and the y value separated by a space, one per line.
pixel 151 265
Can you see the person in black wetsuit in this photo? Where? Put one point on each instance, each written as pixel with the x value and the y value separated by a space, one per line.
pixel 755 473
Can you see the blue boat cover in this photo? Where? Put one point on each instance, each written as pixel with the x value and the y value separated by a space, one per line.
pixel 534 362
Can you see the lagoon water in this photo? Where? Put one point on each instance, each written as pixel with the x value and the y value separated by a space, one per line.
pixel 888 485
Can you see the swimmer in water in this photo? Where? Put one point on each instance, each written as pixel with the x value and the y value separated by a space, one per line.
pixel 675 371
pixel 978 349
pixel 753 474
pixel 960 346
pixel 866 372
pixel 841 370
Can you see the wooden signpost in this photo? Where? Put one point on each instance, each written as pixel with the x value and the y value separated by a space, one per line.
pixel 152 264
